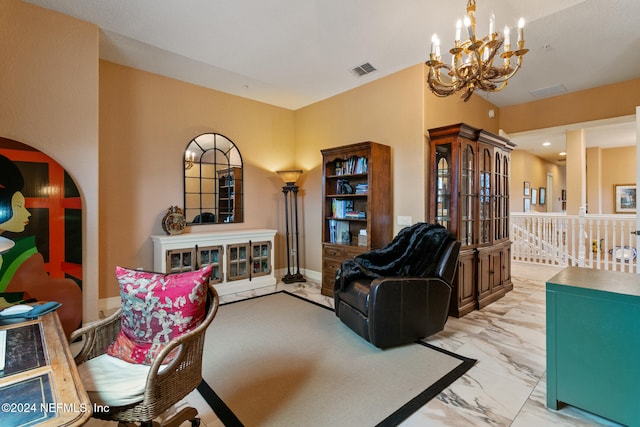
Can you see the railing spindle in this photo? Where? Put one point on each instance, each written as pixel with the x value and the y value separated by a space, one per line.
pixel 560 239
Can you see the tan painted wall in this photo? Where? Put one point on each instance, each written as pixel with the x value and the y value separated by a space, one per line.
pixel 576 171
pixel 603 102
pixel 594 179
pixel 450 110
pixel 619 167
pixel 528 167
pixel 617 164
pixel 388 111
pixel 607 167
pixel 397 111
pixel 146 122
pixel 49 83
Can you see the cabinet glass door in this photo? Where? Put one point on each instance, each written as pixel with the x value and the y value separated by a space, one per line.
pixel 484 211
pixel 211 255
pixel 443 186
pixel 260 258
pixel 237 261
pixel 467 195
pixel 498 200
pixel 501 204
pixel 179 260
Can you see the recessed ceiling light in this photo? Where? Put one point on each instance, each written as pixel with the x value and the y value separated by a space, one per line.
pixel 546 144
pixel 563 153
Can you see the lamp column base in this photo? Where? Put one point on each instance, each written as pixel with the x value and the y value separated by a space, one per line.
pixel 293 278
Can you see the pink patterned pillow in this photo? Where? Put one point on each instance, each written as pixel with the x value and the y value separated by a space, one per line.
pixel 155 309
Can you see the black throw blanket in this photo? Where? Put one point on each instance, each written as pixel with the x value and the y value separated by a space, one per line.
pixel 414 252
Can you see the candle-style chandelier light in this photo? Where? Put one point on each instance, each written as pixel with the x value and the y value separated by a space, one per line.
pixel 472 63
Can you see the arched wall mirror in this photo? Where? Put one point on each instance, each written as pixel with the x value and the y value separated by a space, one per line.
pixel 213 180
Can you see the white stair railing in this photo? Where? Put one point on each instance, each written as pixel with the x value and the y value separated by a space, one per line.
pixel 605 242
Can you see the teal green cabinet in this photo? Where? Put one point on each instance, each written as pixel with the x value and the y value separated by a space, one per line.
pixel 593 342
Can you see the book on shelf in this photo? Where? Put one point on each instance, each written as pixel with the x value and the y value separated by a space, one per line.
pixel 355 215
pixel 351 166
pixel 361 165
pixel 339 207
pixel 339 232
pixel 362 188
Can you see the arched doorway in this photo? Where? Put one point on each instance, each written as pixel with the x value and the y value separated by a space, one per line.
pixel 46 261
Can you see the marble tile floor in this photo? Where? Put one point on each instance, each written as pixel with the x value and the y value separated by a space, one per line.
pixel 507 385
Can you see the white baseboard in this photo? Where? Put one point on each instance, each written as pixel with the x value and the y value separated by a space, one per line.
pixel 312 275
pixel 233 287
pixel 316 276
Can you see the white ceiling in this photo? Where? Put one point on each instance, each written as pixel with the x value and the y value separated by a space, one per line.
pixel 292 53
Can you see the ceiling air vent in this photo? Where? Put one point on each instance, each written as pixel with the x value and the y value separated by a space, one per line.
pixel 548 91
pixel 363 69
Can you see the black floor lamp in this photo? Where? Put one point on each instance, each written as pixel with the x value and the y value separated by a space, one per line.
pixel 290 190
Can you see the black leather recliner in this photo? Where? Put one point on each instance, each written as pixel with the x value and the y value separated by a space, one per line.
pixel 401 293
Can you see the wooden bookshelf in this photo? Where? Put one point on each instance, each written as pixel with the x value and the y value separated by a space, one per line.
pixel 356 211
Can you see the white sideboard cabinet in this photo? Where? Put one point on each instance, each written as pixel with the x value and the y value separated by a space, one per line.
pixel 242 260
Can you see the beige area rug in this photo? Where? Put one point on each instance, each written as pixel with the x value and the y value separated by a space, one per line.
pixel 280 360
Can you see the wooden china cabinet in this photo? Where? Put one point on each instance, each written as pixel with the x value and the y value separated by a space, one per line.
pixel 356 205
pixel 469 195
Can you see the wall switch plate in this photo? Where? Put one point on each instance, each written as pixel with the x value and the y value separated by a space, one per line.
pixel 404 220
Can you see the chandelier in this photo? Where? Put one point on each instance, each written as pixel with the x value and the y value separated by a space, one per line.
pixel 472 63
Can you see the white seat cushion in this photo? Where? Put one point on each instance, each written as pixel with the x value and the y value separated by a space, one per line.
pixel 112 381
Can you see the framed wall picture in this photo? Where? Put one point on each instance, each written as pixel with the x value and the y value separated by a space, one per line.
pixel 534 196
pixel 527 205
pixel 527 188
pixel 543 195
pixel 625 198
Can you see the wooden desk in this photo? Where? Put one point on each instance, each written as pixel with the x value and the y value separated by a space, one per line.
pixel 40 384
pixel 593 344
